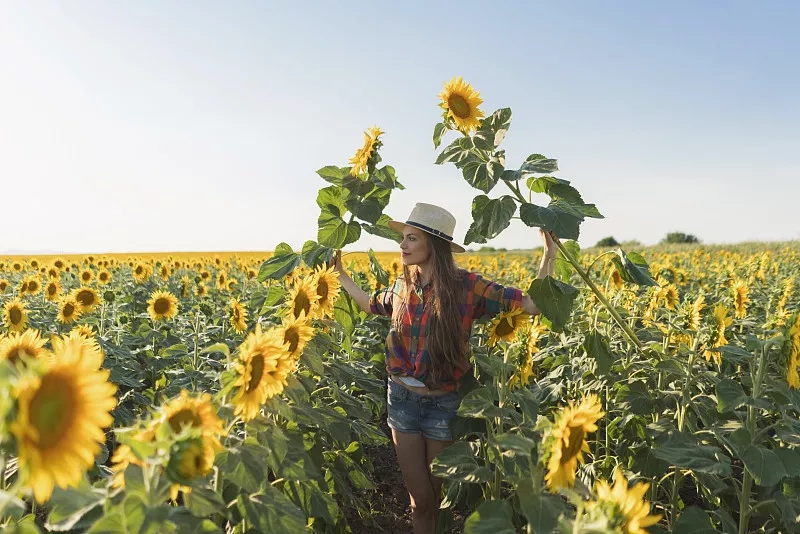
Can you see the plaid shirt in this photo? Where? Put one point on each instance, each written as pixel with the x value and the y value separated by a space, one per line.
pixel 406 353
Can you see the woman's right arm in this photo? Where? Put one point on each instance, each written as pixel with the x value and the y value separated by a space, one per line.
pixel 359 295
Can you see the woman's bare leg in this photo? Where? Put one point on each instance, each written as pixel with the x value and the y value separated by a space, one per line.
pixel 412 456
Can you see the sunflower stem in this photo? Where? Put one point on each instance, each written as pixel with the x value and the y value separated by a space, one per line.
pixel 747 480
pixel 579 269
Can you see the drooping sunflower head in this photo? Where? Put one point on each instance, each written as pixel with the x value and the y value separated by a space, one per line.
pixel 792 349
pixel 21 346
pixel 566 441
pixel 162 305
pixel 68 310
pixel 460 104
pixel 261 367
pixel 52 291
pixel 15 316
pixel 328 288
pixel 87 298
pixel 296 333
pixel 303 298
pixel 624 509
pixel 506 324
pixel 616 279
pixel 740 298
pixel 238 315
pixel 189 459
pixel 368 153
pixel 62 410
pixel 694 313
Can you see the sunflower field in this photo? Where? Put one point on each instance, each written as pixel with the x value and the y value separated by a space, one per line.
pixel 656 392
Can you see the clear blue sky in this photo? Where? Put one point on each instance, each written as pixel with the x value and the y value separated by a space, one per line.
pixel 153 125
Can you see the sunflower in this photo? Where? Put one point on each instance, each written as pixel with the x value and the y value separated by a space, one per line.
pixel 221 279
pixel 83 340
pixel 3 285
pixel 17 266
pixel 793 343
pixel 141 272
pixel 360 162
pixel 567 441
pixel 104 276
pixel 328 288
pixel 670 295
pixel 19 345
pixel 722 321
pixel 531 335
pixel 261 367
pixel 61 414
pixel 68 310
pixel 188 459
pixel 53 273
pixel 505 325
pixel 740 298
pixel 22 289
pixel 201 290
pixel 460 104
pixel 86 276
pixel 238 316
pixel 624 508
pixel 302 298
pixel 296 333
pixel 16 316
pixel 162 305
pixel 87 298
pixel 33 285
pixel 164 272
pixel 84 330
pixel 615 279
pixel 205 274
pixel 52 291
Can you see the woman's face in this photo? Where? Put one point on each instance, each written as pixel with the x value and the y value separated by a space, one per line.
pixel 415 247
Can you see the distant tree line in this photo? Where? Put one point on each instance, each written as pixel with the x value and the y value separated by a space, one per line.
pixel 670 239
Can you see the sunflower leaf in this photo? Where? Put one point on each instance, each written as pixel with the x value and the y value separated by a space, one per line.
pixel 540 509
pixel 330 198
pixel 493 129
pixel 283 262
pixel 538 164
pixel 554 218
pixel 685 451
pixel 382 229
pixel 377 271
pixel 271 511
pixel 333 174
pixel 554 299
pixel 459 462
pixel 633 268
pixel 491 517
pixel 596 346
pixel 490 217
pixel 438 131
pixel 563 268
pixel 333 231
pixel 456 151
pixel 694 520
pixel 315 254
pixel 483 175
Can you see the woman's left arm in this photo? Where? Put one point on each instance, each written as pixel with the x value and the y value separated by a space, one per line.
pixel 546 268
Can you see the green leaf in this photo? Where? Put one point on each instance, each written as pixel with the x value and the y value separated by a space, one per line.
pixel 730 395
pixel 541 184
pixel 538 164
pixel 457 151
pixel 490 217
pixel 276 294
pixel 365 209
pixel 480 403
pixel 14 507
pixel 271 511
pixel 540 509
pixel 694 520
pixel 492 130
pixel 217 347
pixel 790 458
pixel 382 229
pixel 734 353
pixel 343 311
pixel 764 465
pixel 244 465
pixel 386 178
pixel 633 268
pixel 596 346
pixel 283 261
pixel 438 130
pixel 483 175
pixel 377 271
pixel 565 224
pixel 563 268
pixel 315 254
pixel 491 517
pixel 330 199
pixel 554 299
pixel 332 230
pixel 458 462
pixel 76 507
pixel 515 443
pixel 685 451
pixel 333 174
pixel 203 501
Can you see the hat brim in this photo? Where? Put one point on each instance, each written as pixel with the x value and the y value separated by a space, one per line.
pixel 399 226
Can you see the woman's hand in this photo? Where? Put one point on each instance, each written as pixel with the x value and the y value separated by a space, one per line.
pixel 336 262
pixel 550 247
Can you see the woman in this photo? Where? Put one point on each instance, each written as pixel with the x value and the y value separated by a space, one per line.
pixel 432 306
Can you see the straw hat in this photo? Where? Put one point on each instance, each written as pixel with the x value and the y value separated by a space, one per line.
pixel 433 220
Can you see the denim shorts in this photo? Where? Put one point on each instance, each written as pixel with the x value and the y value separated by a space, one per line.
pixel 412 412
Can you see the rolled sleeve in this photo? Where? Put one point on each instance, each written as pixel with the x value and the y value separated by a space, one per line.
pixel 381 300
pixel 491 298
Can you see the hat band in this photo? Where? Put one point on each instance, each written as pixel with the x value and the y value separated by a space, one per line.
pixel 434 231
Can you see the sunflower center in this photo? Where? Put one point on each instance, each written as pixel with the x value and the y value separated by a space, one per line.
pixel 185 417
pixel 505 328
pixel 15 314
pixel 139 269
pixel 322 290
pixel 459 106
pixel 51 289
pixel 301 304
pixel 69 309
pixel 85 297
pixel 574 443
pixel 86 277
pixel 292 337
pixel 51 409
pixel 256 372
pixel 161 306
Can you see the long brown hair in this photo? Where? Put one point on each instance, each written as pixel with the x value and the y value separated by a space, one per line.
pixel 446 343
